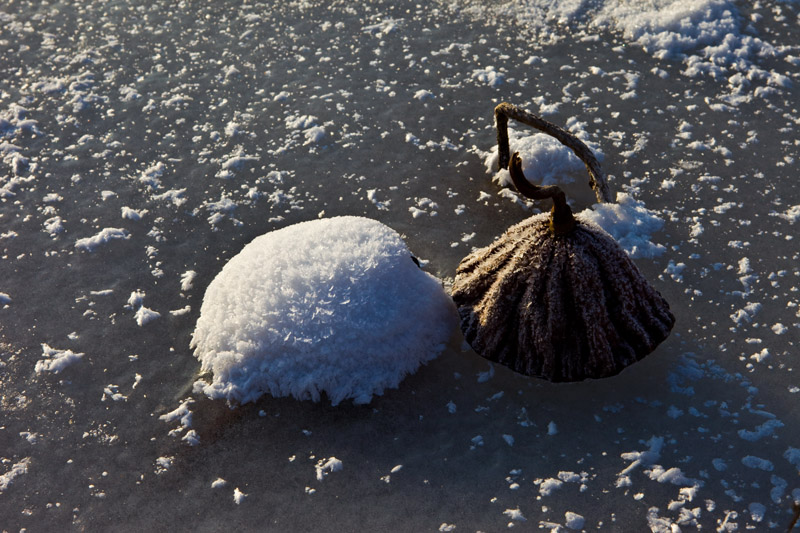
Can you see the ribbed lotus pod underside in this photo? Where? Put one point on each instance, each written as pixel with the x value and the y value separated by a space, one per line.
pixel 556 296
pixel 563 308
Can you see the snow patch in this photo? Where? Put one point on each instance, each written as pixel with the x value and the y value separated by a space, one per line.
pixel 56 360
pixel 334 306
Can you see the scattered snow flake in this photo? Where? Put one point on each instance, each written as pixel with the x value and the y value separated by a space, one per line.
pixel 757 511
pixel 105 235
pixel 182 311
pixel 515 514
pixel 483 377
pixel 673 412
pixel 381 205
pixel 192 438
pixel 173 195
pixel 751 461
pixel 767 429
pixel 144 315
pixel 488 76
pixel 182 413
pixel 746 314
pixel 792 214
pixel 760 356
pixel 548 486
pixel 793 456
pixel 573 520
pixel 643 458
pixel 133 214
pixel 327 466
pixel 674 270
pixel 16 470
pixel 313 134
pixel 136 298
pixel 56 360
pixel 779 329
pixel 569 477
pixel 164 463
pixel 218 483
pixel 112 392
pixel 672 475
pixel 238 496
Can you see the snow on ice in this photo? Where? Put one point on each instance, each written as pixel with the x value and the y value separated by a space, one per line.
pixel 334 306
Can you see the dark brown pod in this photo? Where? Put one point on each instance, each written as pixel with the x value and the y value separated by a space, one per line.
pixel 555 296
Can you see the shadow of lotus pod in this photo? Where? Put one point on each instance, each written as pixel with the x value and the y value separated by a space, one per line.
pixel 556 296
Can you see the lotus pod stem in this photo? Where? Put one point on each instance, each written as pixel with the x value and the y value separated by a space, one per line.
pixel 504 111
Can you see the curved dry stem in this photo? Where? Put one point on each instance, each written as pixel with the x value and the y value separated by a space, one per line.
pixel 795 517
pixel 504 111
pixel 561 219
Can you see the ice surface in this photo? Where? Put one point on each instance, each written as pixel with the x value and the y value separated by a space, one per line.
pixel 165 136
pixel 334 306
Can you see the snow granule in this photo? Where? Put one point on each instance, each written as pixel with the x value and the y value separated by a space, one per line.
pixel 515 514
pixel 779 329
pixel 757 511
pixel 334 306
pixel 548 486
pixel 191 438
pixel 144 315
pixel 15 471
pixel 55 360
pixel 90 244
pixel 326 466
pixel 187 280
pixel 573 520
pixel 752 461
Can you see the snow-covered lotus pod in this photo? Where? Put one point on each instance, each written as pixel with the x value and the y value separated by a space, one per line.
pixel 556 296
pixel 333 306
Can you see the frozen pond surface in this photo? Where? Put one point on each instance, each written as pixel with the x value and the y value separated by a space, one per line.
pixel 145 144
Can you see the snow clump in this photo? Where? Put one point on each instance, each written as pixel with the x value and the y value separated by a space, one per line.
pixel 334 306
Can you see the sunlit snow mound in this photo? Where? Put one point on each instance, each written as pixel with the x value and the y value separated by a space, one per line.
pixel 545 161
pixel 334 306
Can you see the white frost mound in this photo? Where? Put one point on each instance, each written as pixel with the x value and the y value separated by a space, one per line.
pixel 333 305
